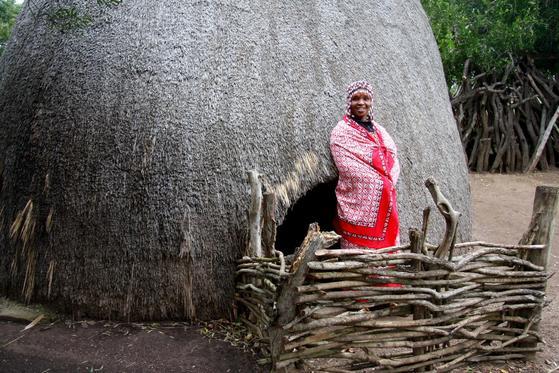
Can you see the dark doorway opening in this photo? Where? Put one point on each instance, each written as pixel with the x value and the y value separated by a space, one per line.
pixel 318 205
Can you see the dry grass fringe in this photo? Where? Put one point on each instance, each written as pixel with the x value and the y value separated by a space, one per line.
pixel 50 275
pixel 307 167
pixel 23 230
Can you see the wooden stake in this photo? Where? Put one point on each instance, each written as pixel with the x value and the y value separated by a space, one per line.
pixel 546 201
pixel 450 216
pixel 543 141
pixel 255 215
pixel 425 228
pixel 269 224
pixel 416 245
pixel 541 229
pixel 286 300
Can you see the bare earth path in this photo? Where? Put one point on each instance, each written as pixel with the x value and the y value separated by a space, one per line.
pixel 110 347
pixel 502 208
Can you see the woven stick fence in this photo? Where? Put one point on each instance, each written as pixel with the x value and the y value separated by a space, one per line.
pixel 414 307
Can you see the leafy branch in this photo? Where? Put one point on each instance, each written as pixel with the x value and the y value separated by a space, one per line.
pixel 70 18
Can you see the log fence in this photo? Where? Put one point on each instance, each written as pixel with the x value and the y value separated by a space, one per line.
pixel 508 122
pixel 414 307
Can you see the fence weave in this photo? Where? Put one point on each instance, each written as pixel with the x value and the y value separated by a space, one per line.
pixel 401 311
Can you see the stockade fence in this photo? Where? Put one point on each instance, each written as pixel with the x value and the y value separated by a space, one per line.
pixel 416 307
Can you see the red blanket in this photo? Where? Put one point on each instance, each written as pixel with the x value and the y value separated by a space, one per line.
pixel 368 171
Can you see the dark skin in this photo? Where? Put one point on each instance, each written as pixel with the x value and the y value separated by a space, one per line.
pixel 360 105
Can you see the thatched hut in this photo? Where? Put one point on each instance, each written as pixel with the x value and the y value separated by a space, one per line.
pixel 124 144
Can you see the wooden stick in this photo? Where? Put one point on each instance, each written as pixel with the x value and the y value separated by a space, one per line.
pixel 488 244
pixel 429 356
pixel 348 252
pixel 450 215
pixel 425 228
pixel 358 294
pixel 254 264
pixel 247 259
pixel 260 272
pixel 513 260
pixel 251 287
pixel 546 202
pixel 281 257
pixel 255 215
pixel 496 357
pixel 417 240
pixel 388 258
pixel 335 334
pixel 372 336
pixel 365 319
pixel 510 273
pixel 286 299
pixel 330 285
pixel 334 275
pixel 543 141
pixel 269 224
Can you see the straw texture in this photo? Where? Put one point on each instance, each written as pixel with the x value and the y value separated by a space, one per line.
pixel 132 138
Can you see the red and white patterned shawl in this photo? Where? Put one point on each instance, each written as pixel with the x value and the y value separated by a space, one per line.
pixel 368 171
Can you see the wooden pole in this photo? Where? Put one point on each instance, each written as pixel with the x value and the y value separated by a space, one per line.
pixel 255 215
pixel 269 224
pixel 543 141
pixel 540 232
pixel 315 240
pixel 544 210
pixel 425 228
pixel 450 216
pixel 416 246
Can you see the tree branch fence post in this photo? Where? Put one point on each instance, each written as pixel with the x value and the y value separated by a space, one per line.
pixel 254 247
pixel 540 232
pixel 416 246
pixel 269 224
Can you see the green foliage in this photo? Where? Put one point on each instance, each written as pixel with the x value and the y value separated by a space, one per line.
pixel 61 18
pixel 68 18
pixel 8 13
pixel 109 2
pixel 547 43
pixel 488 32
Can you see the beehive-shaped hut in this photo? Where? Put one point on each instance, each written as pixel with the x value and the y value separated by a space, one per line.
pixel 125 141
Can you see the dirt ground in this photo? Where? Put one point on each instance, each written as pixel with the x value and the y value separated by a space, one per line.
pixel 502 208
pixel 111 347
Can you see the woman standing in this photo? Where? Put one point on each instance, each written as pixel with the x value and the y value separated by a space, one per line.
pixel 368 168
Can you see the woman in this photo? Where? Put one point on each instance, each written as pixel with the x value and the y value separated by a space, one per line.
pixel 368 167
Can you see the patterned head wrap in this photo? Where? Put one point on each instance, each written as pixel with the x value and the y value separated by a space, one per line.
pixel 360 85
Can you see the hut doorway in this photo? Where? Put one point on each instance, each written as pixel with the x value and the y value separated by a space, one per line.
pixel 317 205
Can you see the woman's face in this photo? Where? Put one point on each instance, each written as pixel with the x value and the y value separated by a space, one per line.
pixel 360 105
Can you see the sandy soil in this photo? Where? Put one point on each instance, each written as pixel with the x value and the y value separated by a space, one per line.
pixel 502 209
